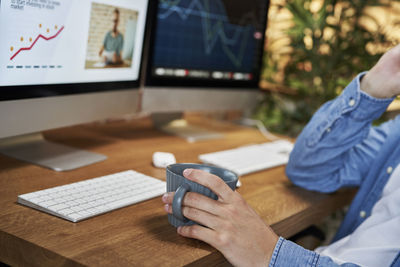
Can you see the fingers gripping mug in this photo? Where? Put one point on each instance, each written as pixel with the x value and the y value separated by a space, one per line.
pixel 177 183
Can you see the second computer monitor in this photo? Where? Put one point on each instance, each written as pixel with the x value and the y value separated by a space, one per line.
pixel 204 55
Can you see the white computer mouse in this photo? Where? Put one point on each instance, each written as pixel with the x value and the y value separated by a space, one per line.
pixel 163 159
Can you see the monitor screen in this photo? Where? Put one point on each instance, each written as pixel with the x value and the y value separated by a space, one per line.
pixel 52 47
pixel 207 43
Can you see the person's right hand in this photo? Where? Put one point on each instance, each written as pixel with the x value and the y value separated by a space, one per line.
pixel 229 224
pixel 383 80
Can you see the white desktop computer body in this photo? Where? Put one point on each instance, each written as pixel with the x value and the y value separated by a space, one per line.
pixel 203 55
pixel 62 63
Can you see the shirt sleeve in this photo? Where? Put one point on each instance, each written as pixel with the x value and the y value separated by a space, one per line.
pixel 287 253
pixel 339 143
pixel 105 41
pixel 120 44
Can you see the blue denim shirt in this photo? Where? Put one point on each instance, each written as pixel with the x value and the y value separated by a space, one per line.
pixel 339 148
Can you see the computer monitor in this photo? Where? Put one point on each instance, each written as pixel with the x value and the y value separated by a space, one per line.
pixel 204 55
pixel 65 62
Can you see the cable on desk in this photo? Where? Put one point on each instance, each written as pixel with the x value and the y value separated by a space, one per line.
pixel 260 126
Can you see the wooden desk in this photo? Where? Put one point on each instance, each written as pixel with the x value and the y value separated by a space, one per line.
pixel 138 235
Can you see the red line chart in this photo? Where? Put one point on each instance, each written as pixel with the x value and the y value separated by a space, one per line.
pixel 34 42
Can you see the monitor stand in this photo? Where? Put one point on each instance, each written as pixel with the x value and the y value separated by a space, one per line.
pixel 33 148
pixel 172 123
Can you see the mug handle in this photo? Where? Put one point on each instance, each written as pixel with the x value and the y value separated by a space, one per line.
pixel 177 202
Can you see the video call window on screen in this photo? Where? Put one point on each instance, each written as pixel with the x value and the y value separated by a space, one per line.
pixel 111 38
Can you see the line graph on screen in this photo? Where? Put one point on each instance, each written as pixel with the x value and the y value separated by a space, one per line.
pixel 208 25
pixel 39 36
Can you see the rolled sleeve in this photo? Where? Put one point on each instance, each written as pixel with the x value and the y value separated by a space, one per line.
pixel 287 253
pixel 339 143
pixel 361 105
pixel 353 103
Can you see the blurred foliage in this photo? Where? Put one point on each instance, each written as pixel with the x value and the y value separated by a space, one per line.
pixel 330 42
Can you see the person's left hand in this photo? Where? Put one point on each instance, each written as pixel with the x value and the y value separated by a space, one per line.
pixel 230 224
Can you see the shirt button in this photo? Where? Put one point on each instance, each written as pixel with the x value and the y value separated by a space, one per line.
pixel 363 214
pixel 328 130
pixel 389 170
pixel 352 102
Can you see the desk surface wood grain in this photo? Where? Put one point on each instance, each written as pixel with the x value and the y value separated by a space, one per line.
pixel 138 235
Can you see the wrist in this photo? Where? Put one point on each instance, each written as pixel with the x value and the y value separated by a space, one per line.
pixel 272 241
pixel 371 86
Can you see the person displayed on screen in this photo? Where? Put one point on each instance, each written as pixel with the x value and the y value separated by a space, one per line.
pixel 338 148
pixel 113 43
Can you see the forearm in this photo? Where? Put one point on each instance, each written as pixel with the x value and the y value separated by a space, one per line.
pixel 338 142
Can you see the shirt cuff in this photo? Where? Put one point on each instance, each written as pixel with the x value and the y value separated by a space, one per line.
pixel 361 105
pixel 287 253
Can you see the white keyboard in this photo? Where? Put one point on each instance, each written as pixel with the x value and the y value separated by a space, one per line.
pixel 252 158
pixel 88 198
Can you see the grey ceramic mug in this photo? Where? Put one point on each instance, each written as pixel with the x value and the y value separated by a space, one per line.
pixel 177 183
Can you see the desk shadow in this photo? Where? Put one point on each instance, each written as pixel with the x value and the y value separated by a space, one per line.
pixel 159 228
pixel 128 132
pixel 79 142
pixel 9 163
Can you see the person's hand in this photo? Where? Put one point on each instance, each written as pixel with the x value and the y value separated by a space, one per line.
pixel 383 80
pixel 230 224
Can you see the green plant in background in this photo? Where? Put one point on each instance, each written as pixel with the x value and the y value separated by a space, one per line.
pixel 329 45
